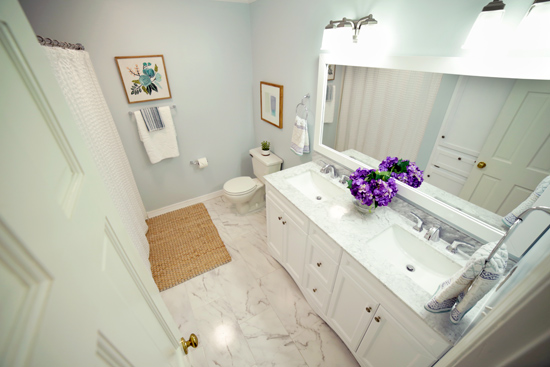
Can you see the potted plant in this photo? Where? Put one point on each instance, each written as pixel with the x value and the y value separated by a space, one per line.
pixel 265 147
pixel 371 189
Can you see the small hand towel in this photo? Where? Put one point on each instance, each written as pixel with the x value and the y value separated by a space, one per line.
pixel 528 203
pixel 159 144
pixel 461 292
pixel 300 137
pixel 330 104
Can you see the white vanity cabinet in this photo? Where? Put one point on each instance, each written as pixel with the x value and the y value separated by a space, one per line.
pixel 287 234
pixel 378 328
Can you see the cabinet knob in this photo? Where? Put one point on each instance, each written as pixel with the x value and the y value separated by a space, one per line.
pixel 319 264
pixel 481 165
pixel 377 318
pixel 280 218
pixel 314 289
pixel 368 309
pixel 284 222
pixel 192 342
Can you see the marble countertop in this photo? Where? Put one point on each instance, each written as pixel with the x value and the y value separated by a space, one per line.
pixel 339 219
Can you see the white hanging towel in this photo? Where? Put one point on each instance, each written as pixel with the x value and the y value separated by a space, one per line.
pixel 461 292
pixel 160 144
pixel 329 104
pixel 300 137
pixel 528 203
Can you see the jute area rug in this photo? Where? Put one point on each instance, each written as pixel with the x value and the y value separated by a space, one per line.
pixel 183 244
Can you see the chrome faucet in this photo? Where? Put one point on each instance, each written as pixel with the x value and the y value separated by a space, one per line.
pixel 432 234
pixel 419 222
pixel 327 169
pixel 344 180
pixel 453 248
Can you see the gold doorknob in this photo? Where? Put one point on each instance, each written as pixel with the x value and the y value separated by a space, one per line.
pixel 192 342
pixel 377 318
pixel 369 309
pixel 481 165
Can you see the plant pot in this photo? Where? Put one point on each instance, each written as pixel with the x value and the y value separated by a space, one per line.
pixel 266 152
pixel 364 209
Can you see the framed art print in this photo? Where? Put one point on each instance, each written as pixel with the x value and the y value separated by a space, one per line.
pixel 143 78
pixel 271 103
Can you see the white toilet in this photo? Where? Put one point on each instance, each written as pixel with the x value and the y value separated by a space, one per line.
pixel 247 193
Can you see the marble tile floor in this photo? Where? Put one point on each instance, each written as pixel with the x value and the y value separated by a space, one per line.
pixel 249 312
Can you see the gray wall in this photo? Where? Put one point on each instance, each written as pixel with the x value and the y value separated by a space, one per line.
pixel 207 51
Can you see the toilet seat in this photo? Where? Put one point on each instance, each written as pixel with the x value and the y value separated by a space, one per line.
pixel 239 186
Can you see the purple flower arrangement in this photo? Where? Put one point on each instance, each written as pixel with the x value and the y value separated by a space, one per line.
pixel 403 170
pixel 370 187
pixel 378 187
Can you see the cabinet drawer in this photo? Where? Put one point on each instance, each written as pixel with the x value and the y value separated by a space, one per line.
pixel 316 294
pixel 321 264
pixel 325 243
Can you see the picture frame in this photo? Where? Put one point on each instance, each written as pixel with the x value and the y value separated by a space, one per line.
pixel 271 103
pixel 144 78
pixel 331 72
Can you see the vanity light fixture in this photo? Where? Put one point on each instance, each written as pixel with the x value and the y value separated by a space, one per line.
pixel 533 31
pixel 486 28
pixel 337 32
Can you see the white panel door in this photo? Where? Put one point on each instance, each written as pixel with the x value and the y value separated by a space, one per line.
pixel 73 290
pixel 516 151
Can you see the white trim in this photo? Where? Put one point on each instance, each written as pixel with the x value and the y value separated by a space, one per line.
pixel 183 204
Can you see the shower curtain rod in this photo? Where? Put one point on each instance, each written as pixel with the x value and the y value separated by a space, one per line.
pixel 55 43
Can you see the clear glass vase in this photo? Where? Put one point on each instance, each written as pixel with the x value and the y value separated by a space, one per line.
pixel 365 209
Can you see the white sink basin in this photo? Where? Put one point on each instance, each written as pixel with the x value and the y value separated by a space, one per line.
pixel 404 250
pixel 314 186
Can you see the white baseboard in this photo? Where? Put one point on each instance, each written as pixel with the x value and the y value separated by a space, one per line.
pixel 183 204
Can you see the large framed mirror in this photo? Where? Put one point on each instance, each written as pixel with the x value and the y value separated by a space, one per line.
pixel 457 113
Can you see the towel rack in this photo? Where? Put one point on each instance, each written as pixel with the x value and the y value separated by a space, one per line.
pixel 131 113
pixel 303 103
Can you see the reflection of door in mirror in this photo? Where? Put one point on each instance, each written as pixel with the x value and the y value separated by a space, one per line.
pixel 464 111
pixel 516 155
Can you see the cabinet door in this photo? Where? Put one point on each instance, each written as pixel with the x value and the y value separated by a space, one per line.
pixel 275 228
pixel 295 248
pixel 351 309
pixel 388 344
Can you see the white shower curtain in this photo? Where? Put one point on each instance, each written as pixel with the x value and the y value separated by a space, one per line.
pixel 385 112
pixel 76 76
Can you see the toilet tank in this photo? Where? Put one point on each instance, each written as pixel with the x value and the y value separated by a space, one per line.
pixel 264 165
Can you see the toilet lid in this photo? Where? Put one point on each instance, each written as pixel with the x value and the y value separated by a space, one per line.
pixel 239 185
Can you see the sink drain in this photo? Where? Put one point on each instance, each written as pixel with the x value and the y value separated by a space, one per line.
pixel 319 198
pixel 410 268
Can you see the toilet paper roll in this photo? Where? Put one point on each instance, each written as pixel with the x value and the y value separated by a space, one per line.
pixel 203 162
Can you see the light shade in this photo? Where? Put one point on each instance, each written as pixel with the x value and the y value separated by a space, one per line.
pixel 337 38
pixel 534 30
pixel 486 31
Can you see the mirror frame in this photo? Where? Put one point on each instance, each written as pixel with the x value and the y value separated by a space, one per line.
pixel 517 68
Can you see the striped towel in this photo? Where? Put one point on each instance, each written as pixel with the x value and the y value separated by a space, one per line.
pixel 300 138
pixel 152 119
pixel 461 292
